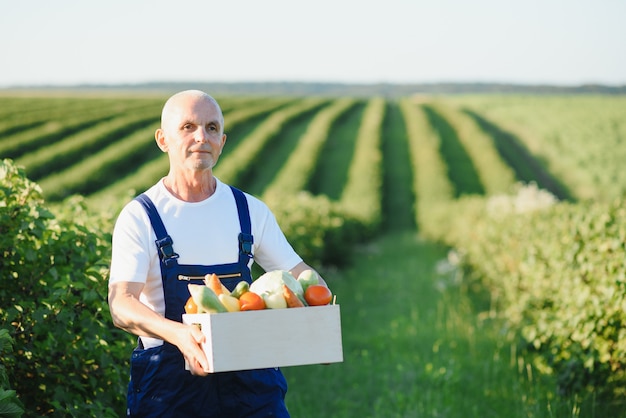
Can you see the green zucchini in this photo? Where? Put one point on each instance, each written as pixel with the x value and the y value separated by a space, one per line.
pixel 241 288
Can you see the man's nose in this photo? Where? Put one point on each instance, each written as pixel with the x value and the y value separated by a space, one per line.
pixel 202 135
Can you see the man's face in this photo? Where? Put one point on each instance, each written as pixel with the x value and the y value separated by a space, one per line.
pixel 192 133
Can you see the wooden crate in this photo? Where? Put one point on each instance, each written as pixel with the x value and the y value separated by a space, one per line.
pixel 271 337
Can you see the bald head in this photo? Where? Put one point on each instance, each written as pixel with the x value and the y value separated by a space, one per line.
pixel 173 104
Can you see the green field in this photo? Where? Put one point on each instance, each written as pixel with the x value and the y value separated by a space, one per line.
pixel 474 242
pixel 560 142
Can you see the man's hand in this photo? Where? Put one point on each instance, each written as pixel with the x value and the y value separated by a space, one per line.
pixel 188 341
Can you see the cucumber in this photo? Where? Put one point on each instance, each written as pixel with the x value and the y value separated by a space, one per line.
pixel 241 288
pixel 206 299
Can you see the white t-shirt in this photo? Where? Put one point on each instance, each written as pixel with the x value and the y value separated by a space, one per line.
pixel 203 233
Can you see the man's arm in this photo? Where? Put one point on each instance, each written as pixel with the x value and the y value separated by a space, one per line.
pixel 131 315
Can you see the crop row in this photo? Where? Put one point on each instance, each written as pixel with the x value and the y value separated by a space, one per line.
pixel 295 173
pixel 57 127
pixel 235 164
pixel 58 155
pixel 362 195
pixel 579 138
pixel 321 228
pixel 21 114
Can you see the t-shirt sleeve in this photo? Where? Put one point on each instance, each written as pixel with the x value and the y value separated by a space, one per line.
pixel 130 255
pixel 272 251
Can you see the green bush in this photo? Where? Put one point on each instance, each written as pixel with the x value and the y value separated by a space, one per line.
pixel 10 405
pixel 316 227
pixel 68 359
pixel 556 273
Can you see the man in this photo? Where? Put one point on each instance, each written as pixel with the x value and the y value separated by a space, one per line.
pixel 185 226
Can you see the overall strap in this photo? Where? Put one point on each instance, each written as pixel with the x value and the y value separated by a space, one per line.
pixel 164 241
pixel 245 236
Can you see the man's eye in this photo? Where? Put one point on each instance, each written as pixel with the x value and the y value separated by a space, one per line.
pixel 187 126
pixel 212 128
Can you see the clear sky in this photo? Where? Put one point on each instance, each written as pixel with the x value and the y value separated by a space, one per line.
pixel 64 42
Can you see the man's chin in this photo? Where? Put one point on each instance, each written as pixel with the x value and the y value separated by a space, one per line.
pixel 205 163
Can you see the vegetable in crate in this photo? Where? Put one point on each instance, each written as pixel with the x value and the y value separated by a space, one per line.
pixel 190 306
pixel 293 301
pixel 241 288
pixel 212 281
pixel 250 301
pixel 270 287
pixel 307 278
pixel 274 300
pixel 230 302
pixel 206 299
pixel 318 295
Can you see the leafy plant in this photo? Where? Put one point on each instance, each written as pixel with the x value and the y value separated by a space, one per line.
pixel 319 230
pixel 10 405
pixel 68 358
pixel 556 273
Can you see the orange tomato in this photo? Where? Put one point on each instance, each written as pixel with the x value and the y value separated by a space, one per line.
pixel 250 301
pixel 190 306
pixel 317 295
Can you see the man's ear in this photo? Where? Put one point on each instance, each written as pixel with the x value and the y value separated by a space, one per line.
pixel 223 142
pixel 159 136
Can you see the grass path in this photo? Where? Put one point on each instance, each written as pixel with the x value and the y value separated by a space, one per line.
pixel 414 346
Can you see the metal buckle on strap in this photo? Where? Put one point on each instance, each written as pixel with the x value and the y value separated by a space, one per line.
pixel 166 249
pixel 245 243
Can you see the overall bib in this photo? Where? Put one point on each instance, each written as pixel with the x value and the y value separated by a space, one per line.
pixel 159 384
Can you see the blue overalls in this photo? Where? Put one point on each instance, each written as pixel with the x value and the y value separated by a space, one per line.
pixel 159 384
